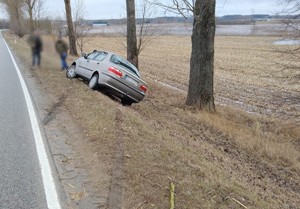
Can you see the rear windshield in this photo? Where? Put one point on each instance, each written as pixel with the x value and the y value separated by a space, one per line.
pixel 124 63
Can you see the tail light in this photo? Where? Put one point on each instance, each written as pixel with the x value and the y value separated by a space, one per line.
pixel 144 88
pixel 115 71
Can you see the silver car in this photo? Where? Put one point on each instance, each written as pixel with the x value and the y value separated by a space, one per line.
pixel 107 69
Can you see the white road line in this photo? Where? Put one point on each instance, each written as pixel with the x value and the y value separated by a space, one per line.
pixel 48 181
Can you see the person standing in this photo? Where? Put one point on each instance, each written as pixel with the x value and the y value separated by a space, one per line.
pixel 36 45
pixel 62 49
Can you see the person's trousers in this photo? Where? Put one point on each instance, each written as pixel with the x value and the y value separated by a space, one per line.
pixel 36 58
pixel 63 58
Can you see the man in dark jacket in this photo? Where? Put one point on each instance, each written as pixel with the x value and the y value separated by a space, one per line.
pixel 36 45
pixel 62 49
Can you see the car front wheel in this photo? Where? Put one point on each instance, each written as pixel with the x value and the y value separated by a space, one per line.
pixel 71 72
pixel 93 84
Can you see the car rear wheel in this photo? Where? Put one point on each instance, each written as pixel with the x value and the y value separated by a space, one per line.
pixel 71 72
pixel 93 84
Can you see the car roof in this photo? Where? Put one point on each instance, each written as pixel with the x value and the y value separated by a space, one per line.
pixel 109 53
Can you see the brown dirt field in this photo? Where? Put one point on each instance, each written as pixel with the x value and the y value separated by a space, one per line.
pixel 245 155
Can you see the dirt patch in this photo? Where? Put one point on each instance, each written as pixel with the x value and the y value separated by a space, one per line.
pixel 53 111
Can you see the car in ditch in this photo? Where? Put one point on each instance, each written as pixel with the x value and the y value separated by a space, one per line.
pixel 111 71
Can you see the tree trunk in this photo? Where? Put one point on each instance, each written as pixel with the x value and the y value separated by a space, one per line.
pixel 132 52
pixel 71 32
pixel 20 34
pixel 30 11
pixel 201 89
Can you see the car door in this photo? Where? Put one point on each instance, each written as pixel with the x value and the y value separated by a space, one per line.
pixel 95 64
pixel 80 63
pixel 85 66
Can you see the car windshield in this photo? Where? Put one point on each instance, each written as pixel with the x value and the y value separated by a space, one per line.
pixel 101 56
pixel 92 55
pixel 121 61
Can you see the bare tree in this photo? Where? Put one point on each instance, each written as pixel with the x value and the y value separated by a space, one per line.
pixel 39 12
pixel 132 52
pixel 291 23
pixel 83 35
pixel 81 26
pixel 145 34
pixel 71 32
pixel 54 26
pixel 292 11
pixel 181 7
pixel 16 15
pixel 16 11
pixel 30 4
pixel 201 90
pixel 45 25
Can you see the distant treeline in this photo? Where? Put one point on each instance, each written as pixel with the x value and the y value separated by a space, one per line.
pixel 155 20
pixel 227 19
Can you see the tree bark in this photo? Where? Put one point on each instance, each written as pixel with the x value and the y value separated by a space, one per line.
pixel 132 52
pixel 71 32
pixel 19 23
pixel 201 89
pixel 30 12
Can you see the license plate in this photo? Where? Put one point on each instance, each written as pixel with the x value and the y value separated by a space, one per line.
pixel 127 78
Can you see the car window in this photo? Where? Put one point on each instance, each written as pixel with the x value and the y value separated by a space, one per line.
pixel 92 55
pixel 124 63
pixel 101 56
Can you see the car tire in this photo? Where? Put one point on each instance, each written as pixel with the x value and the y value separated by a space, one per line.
pixel 126 102
pixel 93 83
pixel 71 72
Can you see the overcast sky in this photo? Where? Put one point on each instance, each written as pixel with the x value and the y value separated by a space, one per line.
pixel 105 9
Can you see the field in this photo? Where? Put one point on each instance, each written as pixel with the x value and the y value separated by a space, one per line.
pixel 246 155
pixel 251 77
pixel 260 28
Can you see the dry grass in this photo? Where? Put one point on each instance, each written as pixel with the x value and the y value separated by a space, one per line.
pixel 213 159
pixel 247 75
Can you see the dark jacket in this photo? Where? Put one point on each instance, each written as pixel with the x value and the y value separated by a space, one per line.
pixel 61 46
pixel 35 43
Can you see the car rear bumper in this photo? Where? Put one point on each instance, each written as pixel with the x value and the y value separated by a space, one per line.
pixel 120 86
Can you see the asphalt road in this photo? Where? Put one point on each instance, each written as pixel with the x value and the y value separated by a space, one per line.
pixel 22 185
